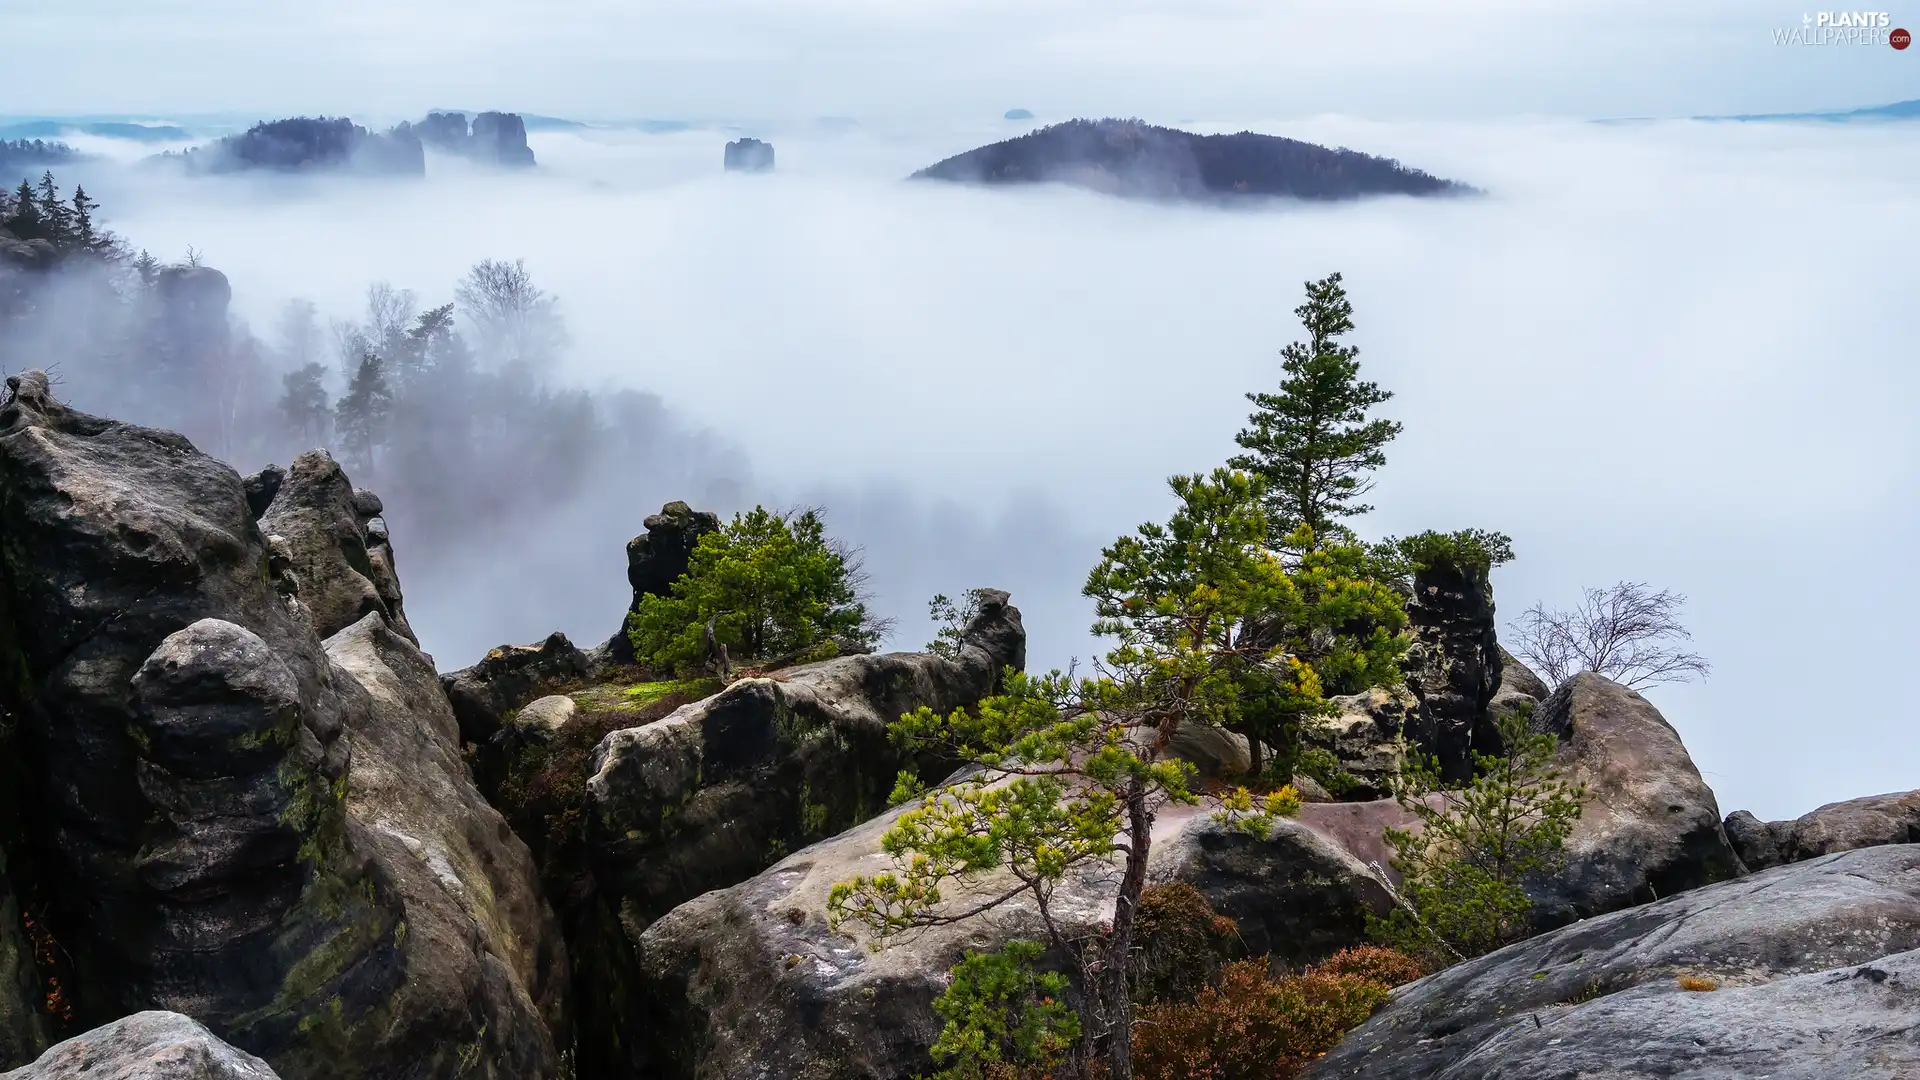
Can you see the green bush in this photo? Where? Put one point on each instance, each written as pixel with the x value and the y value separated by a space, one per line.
pixel 1463 867
pixel 1003 1017
pixel 1471 553
pixel 771 586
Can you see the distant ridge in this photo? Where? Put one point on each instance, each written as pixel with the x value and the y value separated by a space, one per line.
pixel 1137 159
pixel 1899 110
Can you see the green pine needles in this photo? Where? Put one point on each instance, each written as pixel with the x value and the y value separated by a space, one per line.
pixel 768 585
pixel 1465 864
pixel 1312 441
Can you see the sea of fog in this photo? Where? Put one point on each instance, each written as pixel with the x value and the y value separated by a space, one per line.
pixel 1680 353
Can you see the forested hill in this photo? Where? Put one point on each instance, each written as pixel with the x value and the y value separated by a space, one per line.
pixel 1128 157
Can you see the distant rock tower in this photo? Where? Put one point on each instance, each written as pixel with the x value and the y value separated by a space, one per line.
pixel 749 155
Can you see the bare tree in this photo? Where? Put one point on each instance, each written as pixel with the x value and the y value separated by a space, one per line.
pixel 516 324
pixel 1627 632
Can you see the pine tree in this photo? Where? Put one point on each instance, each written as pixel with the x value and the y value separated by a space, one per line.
pixel 1312 441
pixel 361 415
pixel 84 234
pixel 304 402
pixel 24 222
pixel 56 221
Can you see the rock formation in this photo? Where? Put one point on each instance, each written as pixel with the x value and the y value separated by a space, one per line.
pixel 657 558
pixel 511 676
pixel 749 155
pixel 1651 828
pixel 1805 971
pixel 146 1046
pixel 727 786
pixel 1841 826
pixel 184 748
pixel 1452 666
pixel 336 550
pixel 495 138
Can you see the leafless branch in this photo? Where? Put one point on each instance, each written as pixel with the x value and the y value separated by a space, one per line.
pixel 1628 632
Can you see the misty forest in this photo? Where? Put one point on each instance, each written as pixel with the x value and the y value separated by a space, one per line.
pixel 538 599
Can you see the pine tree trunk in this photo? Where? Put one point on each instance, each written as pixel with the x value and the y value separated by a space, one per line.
pixel 1120 945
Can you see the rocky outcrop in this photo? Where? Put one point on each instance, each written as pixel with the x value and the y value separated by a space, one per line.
pixel 460 871
pixel 495 138
pixel 1519 689
pixel 183 745
pixel 722 788
pixel 24 1027
pixel 509 677
pixel 336 548
pixel 1452 665
pixel 146 1046
pixel 1651 827
pixel 1804 972
pixel 727 786
pixel 311 144
pixel 1841 826
pixel 748 155
pixel 750 981
pixel 657 558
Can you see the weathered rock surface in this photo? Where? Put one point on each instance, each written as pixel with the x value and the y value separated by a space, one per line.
pixel 1365 735
pixel 182 746
pixel 750 981
pixel 463 874
pixel 657 558
pixel 510 677
pixel 341 561
pixel 724 787
pixel 24 1030
pixel 1843 826
pixel 146 1046
pixel 1651 827
pixel 1816 966
pixel 1452 666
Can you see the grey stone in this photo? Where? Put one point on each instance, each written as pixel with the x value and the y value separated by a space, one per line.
pixel 145 1046
pixel 1815 967
pixel 1843 826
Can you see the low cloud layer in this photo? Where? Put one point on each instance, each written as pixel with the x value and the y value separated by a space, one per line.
pixel 1667 352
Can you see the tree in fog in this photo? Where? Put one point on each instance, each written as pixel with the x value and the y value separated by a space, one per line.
pixel 1312 441
pixel 361 416
pixel 1627 632
pixel 300 336
pixel 305 405
pixel 516 325
pixel 389 312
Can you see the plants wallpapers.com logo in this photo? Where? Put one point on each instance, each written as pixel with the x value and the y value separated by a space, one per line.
pixel 1845 28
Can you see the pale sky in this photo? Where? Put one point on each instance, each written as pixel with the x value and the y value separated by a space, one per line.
pixel 717 59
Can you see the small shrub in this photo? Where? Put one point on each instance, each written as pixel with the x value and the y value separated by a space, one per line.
pixel 1251 1026
pixel 1698 983
pixel 1388 967
pixel 1469 553
pixel 1181 943
pixel 1004 1018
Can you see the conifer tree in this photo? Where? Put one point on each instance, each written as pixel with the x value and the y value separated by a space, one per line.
pixel 361 416
pixel 304 402
pixel 24 222
pixel 1312 441
pixel 85 237
pixel 56 221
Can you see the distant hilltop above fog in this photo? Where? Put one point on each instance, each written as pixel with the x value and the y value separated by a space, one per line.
pixel 1132 158
pixel 311 144
pixel 337 144
pixel 1899 110
pixel 53 129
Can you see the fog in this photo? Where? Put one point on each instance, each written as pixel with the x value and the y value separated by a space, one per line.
pixel 1675 352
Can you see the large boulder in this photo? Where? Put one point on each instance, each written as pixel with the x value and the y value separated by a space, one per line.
pixel 146 1046
pixel 725 787
pixel 510 677
pixel 1368 736
pixel 181 749
pixel 339 556
pixel 1841 826
pixel 1519 690
pixel 1651 827
pixel 750 981
pixel 657 558
pixel 1802 972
